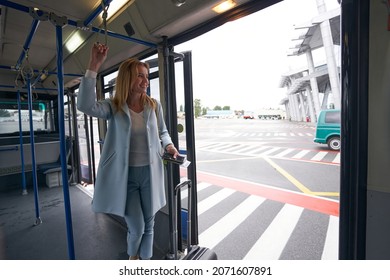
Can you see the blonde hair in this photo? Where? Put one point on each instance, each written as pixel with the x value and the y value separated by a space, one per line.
pixel 127 75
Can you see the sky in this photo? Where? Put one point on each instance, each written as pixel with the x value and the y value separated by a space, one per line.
pixel 240 63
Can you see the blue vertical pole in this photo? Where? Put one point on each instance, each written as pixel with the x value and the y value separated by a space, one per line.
pixel 24 189
pixel 32 143
pixel 61 126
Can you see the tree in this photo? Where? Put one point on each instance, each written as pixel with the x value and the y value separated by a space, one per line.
pixel 197 108
pixel 226 108
pixel 217 108
pixel 4 113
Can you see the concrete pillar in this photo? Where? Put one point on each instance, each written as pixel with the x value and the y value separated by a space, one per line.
pixel 293 114
pixel 313 117
pixel 303 106
pixel 313 83
pixel 325 101
pixel 288 113
pixel 327 40
pixel 296 108
pixel 287 109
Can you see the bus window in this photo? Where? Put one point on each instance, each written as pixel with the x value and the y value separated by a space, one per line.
pixel 9 117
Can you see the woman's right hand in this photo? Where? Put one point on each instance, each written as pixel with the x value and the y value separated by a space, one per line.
pixel 97 57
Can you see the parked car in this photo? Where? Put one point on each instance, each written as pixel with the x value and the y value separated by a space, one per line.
pixel 249 115
pixel 328 129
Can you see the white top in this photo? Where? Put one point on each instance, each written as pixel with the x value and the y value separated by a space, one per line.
pixel 139 152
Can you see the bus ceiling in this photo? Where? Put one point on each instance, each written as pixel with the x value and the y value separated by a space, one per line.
pixel 130 28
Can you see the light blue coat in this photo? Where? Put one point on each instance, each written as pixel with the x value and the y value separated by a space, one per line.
pixel 111 180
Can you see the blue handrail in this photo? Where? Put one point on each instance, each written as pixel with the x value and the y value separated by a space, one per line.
pixel 15 6
pixel 61 125
pixel 24 188
pixel 96 12
pixel 32 142
pixel 75 24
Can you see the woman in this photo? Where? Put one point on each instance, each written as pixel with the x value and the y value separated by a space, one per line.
pixel 130 178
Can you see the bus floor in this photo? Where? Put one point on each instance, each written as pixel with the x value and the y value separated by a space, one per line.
pixel 95 236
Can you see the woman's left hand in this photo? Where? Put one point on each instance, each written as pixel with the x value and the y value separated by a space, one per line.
pixel 172 150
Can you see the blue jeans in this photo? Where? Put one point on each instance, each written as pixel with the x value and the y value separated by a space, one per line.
pixel 138 215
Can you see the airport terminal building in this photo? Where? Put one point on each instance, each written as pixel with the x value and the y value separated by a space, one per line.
pixel 315 87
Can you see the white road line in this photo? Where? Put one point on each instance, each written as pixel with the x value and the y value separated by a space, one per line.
pixel 205 145
pixel 234 148
pixel 270 151
pixel 283 153
pixel 337 158
pixel 331 246
pixel 222 146
pixel 319 156
pixel 214 199
pixel 301 154
pixel 271 244
pixel 244 149
pixel 210 145
pixel 254 151
pixel 200 186
pixel 217 232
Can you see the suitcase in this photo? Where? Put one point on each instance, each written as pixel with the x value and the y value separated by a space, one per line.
pixel 194 252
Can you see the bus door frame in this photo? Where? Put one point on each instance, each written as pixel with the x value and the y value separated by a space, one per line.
pixel 173 171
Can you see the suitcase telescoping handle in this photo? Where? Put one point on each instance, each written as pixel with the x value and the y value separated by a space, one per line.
pixel 189 238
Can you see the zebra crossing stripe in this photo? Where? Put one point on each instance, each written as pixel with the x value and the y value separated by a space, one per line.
pixel 257 149
pixel 319 156
pixel 331 246
pixel 301 154
pixel 270 151
pixel 200 186
pixel 337 158
pixel 221 146
pixel 254 151
pixel 245 149
pixel 217 232
pixel 214 199
pixel 271 243
pixel 209 145
pixel 270 134
pixel 234 148
pixel 285 152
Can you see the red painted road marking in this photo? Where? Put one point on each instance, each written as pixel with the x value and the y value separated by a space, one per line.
pixel 318 204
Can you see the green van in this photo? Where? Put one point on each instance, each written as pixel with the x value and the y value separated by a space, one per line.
pixel 328 129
